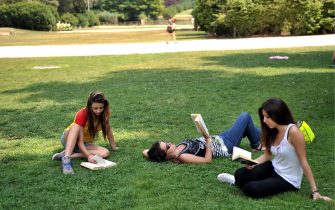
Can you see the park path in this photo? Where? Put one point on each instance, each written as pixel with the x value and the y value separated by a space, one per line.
pixel 163 47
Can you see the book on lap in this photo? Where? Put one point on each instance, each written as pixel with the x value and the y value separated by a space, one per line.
pixel 101 163
pixel 243 156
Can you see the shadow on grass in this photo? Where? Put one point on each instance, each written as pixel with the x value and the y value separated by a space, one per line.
pixel 151 100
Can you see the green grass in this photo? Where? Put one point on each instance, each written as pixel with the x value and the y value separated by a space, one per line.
pixel 151 98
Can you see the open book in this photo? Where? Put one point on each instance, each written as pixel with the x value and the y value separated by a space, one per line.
pixel 101 163
pixel 200 124
pixel 243 156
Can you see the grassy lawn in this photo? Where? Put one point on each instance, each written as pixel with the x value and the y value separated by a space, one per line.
pixel 26 37
pixel 151 98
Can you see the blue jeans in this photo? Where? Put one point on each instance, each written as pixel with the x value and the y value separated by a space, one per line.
pixel 242 127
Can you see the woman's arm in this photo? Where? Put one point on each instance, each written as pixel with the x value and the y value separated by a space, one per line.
pixel 111 139
pixel 189 158
pixel 81 143
pixel 261 159
pixel 265 157
pixel 145 153
pixel 296 139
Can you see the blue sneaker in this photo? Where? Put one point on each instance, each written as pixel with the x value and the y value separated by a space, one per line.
pixel 67 165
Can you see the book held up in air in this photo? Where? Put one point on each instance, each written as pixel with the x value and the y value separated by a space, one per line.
pixel 243 156
pixel 200 124
pixel 101 163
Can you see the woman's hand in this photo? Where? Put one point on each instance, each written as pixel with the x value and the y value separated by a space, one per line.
pixel 208 139
pixel 90 158
pixel 249 167
pixel 114 147
pixel 318 196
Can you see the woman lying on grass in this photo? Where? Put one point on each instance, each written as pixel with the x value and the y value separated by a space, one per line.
pixel 202 150
pixel 286 143
pixel 78 138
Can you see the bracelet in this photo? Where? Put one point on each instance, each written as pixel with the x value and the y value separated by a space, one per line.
pixel 315 191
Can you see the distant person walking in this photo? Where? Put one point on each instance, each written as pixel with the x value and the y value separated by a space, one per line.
pixel 171 27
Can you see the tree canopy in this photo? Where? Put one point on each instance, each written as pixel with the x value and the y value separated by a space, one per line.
pixel 265 17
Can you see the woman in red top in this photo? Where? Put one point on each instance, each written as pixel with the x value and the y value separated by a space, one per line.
pixel 78 138
pixel 171 30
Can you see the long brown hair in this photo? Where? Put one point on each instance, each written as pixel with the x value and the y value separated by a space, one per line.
pixel 103 118
pixel 279 112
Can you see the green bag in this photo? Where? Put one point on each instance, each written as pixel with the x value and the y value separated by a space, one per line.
pixel 306 130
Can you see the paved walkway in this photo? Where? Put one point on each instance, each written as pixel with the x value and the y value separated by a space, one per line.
pixel 161 47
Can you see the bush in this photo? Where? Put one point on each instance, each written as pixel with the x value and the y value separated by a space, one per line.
pixel 28 15
pixel 108 17
pixel 70 18
pixel 5 14
pixel 82 20
pixel 55 13
pixel 92 18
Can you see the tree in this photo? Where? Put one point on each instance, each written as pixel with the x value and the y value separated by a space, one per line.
pixel 275 17
pixel 72 6
pixel 151 8
pixel 304 16
pixel 169 2
pixel 130 10
pixel 206 11
pixel 327 23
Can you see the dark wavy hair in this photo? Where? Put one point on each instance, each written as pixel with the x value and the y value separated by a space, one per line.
pixel 155 153
pixel 103 118
pixel 279 112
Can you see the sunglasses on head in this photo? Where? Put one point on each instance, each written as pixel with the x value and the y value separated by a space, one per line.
pixel 168 145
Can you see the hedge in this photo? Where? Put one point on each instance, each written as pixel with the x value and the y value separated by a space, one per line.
pixel 28 15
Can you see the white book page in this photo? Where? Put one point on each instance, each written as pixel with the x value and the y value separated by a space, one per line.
pixel 202 122
pixel 99 160
pixel 198 120
pixel 238 152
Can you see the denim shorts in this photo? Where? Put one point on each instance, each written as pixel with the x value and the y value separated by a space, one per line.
pixel 76 148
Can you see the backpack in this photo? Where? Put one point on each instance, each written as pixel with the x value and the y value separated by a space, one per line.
pixel 169 29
